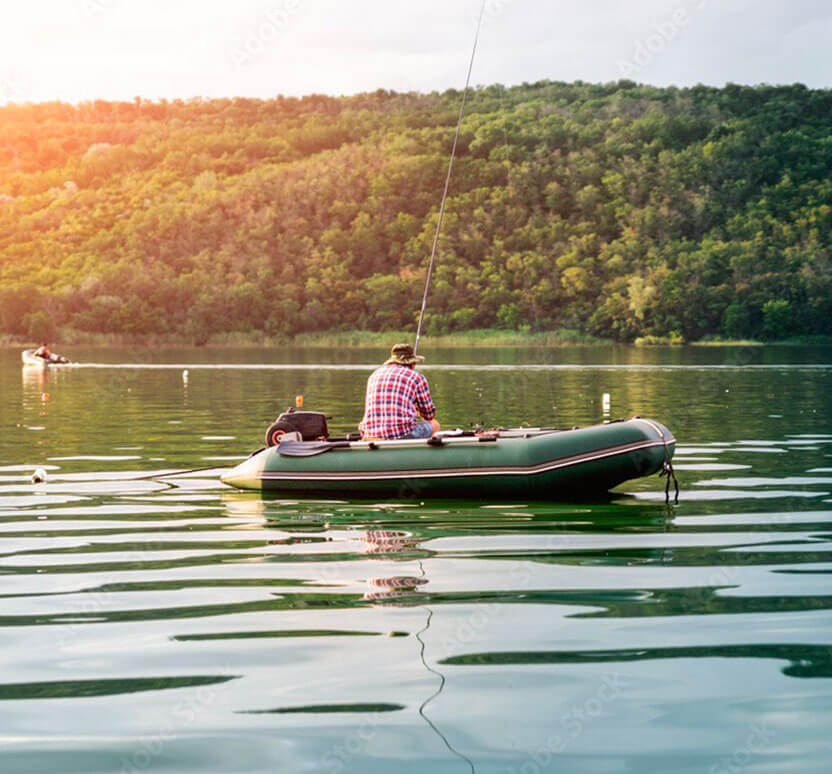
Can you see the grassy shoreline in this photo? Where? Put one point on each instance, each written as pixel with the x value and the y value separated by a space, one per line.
pixel 340 339
pixel 376 339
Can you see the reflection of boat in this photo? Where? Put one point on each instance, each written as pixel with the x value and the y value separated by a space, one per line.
pixel 29 358
pixel 389 542
pixel 525 463
pixel 390 588
pixel 35 380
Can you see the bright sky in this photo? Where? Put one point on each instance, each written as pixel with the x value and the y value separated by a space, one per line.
pixel 75 50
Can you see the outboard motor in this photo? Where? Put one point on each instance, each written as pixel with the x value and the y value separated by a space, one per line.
pixel 310 424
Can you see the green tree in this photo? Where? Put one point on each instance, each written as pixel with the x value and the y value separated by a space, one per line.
pixel 777 319
pixel 39 326
pixel 736 321
pixel 619 209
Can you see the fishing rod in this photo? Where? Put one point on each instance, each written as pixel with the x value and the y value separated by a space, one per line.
pixel 422 645
pixel 448 179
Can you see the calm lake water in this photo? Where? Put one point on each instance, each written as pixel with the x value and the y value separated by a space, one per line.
pixel 178 625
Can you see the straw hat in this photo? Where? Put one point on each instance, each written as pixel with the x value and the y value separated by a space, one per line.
pixel 402 354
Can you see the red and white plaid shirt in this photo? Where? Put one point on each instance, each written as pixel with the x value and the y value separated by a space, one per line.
pixel 395 395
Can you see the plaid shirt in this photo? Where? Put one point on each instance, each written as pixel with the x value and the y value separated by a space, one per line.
pixel 395 394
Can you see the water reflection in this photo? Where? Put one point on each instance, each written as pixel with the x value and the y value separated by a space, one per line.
pixel 804 660
pixel 443 636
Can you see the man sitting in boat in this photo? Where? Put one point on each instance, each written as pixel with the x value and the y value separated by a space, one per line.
pixel 398 403
pixel 43 352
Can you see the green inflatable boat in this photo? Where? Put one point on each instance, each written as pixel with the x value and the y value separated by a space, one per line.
pixel 526 463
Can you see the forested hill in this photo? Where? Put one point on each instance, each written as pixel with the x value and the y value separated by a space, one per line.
pixel 620 210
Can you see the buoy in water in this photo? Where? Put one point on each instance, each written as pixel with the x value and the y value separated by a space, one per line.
pixel 39 476
pixel 185 375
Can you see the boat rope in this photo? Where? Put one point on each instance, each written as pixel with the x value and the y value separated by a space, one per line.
pixel 667 466
pixel 172 474
pixel 439 690
pixel 448 180
pixel 669 473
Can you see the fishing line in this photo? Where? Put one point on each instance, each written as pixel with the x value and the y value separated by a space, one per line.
pixel 439 690
pixel 448 179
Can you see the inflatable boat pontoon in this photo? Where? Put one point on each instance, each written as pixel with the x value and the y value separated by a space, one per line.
pixel 523 463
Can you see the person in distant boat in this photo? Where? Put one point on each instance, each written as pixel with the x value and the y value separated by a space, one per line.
pixel 43 351
pixel 398 403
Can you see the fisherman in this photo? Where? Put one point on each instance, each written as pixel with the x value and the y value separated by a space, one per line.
pixel 398 403
pixel 43 351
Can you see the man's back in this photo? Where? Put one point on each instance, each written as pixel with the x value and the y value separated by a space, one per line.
pixel 396 396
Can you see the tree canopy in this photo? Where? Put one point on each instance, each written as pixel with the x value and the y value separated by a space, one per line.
pixel 620 210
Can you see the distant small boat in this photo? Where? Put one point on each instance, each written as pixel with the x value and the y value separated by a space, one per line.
pixel 29 358
pixel 536 463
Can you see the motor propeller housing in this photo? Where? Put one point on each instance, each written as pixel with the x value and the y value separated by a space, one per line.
pixel 310 424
